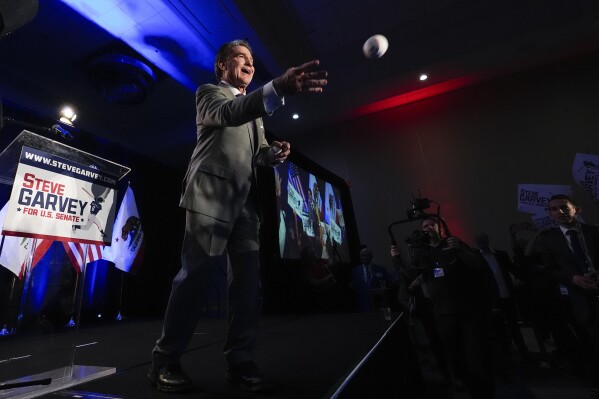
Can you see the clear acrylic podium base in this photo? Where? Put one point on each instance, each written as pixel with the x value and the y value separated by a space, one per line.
pixel 61 379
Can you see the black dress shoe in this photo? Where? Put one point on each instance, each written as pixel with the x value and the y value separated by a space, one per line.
pixel 247 376
pixel 170 378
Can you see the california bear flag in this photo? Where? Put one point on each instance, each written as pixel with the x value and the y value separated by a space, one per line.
pixel 126 250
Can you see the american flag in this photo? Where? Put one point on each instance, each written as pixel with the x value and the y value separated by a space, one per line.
pixel 76 253
pixel 295 181
pixel 41 247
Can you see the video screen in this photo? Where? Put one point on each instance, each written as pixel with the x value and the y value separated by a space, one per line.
pixel 310 214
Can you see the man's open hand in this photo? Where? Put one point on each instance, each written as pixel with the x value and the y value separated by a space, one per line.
pixel 301 79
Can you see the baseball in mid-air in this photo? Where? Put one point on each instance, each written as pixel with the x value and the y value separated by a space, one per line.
pixel 375 46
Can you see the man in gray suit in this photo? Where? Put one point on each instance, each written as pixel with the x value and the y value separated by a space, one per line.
pixel 220 195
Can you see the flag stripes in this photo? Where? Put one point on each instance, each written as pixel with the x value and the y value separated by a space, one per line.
pixel 77 254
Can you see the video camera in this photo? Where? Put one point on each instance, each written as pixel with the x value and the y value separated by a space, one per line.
pixel 417 211
pixel 417 207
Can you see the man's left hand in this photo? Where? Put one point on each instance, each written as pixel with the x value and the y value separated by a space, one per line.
pixel 285 151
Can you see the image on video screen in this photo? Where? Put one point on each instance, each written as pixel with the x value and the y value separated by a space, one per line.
pixel 310 214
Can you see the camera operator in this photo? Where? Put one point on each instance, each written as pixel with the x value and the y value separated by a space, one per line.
pixel 457 283
pixel 416 301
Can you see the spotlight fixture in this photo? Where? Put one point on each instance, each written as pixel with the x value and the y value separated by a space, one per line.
pixel 67 116
pixel 423 77
pixel 122 79
pixel 295 116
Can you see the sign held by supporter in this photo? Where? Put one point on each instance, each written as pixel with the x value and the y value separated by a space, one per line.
pixel 57 199
pixel 585 170
pixel 533 198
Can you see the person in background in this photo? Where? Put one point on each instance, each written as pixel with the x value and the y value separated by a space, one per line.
pixel 369 282
pixel 549 309
pixel 457 282
pixel 322 291
pixel 220 196
pixel 505 321
pixel 416 302
pixel 314 217
pixel 571 254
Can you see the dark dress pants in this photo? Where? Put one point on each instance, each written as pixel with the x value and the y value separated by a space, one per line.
pixel 203 246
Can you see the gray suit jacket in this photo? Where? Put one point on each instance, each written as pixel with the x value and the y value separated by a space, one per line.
pixel 222 166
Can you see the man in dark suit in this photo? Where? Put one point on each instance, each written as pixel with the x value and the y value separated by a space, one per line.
pixel 370 280
pixel 570 252
pixel 505 320
pixel 221 196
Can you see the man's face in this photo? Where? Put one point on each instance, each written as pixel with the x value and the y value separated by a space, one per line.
pixel 238 68
pixel 563 212
pixel 365 257
pixel 431 228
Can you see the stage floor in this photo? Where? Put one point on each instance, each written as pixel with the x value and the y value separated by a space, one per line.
pixel 305 356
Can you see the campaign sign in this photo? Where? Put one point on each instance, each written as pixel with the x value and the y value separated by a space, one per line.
pixel 57 199
pixel 336 232
pixel 543 222
pixel 533 198
pixel 295 200
pixel 585 170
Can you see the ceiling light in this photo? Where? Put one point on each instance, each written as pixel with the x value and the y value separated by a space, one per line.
pixel 295 116
pixel 121 79
pixel 67 116
pixel 423 77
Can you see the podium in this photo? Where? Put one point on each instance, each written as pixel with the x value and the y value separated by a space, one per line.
pixel 36 364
